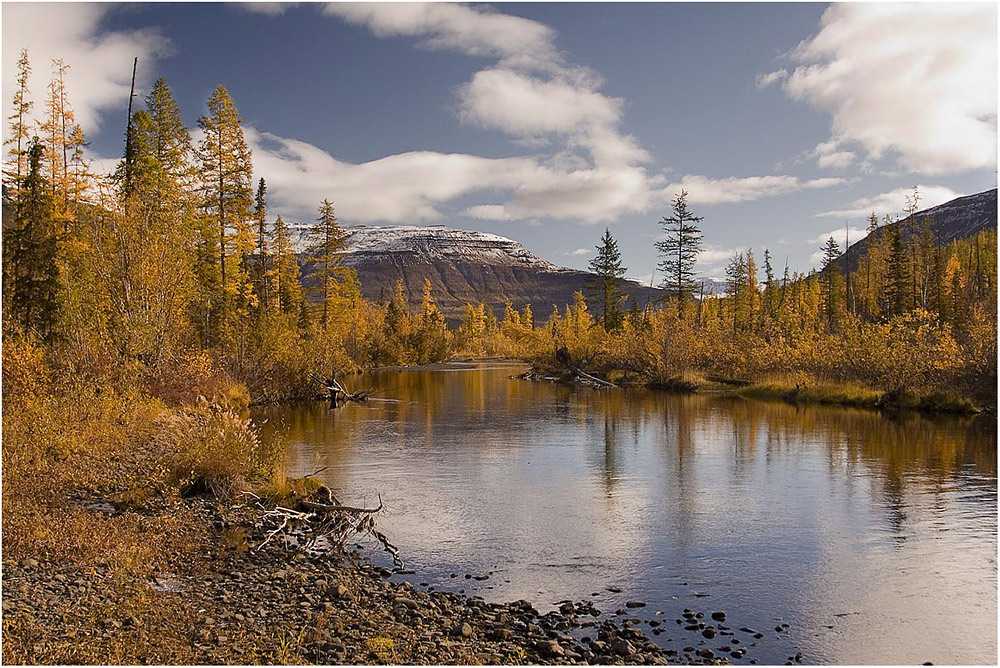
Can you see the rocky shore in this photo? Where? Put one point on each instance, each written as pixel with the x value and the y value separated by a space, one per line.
pixel 235 604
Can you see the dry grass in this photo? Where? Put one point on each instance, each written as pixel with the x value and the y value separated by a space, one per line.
pixel 802 388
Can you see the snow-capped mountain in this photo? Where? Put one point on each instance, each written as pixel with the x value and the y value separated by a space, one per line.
pixel 466 266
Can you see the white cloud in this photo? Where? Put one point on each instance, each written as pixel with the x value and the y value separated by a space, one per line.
pixel 892 202
pixel 714 257
pixel 829 155
pixel 594 171
pixel 917 81
pixel 526 106
pixel 706 190
pixel 841 235
pixel 580 251
pixel 100 63
pixel 475 31
pixel 771 78
pixel 267 8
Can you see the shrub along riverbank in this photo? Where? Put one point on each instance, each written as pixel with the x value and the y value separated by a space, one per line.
pixel 127 539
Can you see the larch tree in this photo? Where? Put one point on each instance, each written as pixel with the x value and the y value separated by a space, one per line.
pixel 226 172
pixel 679 251
pixel 17 135
pixel 607 265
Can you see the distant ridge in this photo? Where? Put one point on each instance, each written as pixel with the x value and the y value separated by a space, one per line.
pixel 957 219
pixel 466 266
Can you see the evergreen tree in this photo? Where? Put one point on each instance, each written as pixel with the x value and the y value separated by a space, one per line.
pixel 607 265
pixel 261 263
pixel 897 289
pixel 288 290
pixel 679 251
pixel 31 277
pixel 326 241
pixel 225 172
pixel 735 282
pixel 831 276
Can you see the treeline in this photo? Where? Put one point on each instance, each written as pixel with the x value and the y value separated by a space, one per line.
pixel 913 318
pixel 173 262
pixel 172 268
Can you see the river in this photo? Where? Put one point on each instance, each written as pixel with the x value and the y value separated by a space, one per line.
pixel 874 538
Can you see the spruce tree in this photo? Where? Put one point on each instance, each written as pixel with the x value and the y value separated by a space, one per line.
pixel 831 276
pixel 679 251
pixel 31 276
pixel 326 241
pixel 288 290
pixel 261 264
pixel 607 265
pixel 898 286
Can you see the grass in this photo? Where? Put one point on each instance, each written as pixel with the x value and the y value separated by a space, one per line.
pixel 802 388
pixel 799 389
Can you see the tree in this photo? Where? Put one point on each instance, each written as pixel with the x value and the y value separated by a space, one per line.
pixel 225 171
pixel 172 140
pixel 898 286
pixel 327 240
pixel 18 133
pixel 31 276
pixel 736 278
pixel 261 264
pixel 831 275
pixel 288 290
pixel 607 265
pixel 679 250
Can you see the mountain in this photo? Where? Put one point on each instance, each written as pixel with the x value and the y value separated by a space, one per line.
pixel 466 267
pixel 960 218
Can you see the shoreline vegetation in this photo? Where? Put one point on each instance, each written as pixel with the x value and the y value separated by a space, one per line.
pixel 143 312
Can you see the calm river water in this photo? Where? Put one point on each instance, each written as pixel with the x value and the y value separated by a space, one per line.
pixel 874 538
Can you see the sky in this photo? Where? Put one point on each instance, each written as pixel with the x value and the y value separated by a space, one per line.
pixel 548 122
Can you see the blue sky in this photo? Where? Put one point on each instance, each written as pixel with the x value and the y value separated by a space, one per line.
pixel 547 122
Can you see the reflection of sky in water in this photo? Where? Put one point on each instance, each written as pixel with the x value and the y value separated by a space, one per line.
pixel 777 513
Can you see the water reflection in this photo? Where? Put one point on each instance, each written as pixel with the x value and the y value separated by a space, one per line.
pixel 865 533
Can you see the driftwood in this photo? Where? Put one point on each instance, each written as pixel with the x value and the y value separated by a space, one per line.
pixel 317 523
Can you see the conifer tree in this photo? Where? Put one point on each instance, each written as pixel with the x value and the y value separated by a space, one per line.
pixel 288 290
pixel 17 136
pixel 326 241
pixel 31 276
pixel 831 276
pixel 735 281
pixel 679 251
pixel 173 142
pixel 607 265
pixel 261 263
pixel 225 172
pixel 897 288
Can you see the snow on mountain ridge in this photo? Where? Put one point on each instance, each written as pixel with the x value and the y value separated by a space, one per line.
pixel 429 243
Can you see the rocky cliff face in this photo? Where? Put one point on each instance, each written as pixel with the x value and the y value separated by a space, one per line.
pixel 466 267
pixel 960 218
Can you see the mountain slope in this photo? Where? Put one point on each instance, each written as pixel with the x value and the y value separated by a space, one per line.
pixel 960 218
pixel 466 267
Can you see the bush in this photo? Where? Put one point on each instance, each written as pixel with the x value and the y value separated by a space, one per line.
pixel 214 451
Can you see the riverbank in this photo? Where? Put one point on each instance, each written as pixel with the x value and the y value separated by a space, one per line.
pixel 791 388
pixel 206 596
